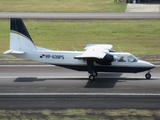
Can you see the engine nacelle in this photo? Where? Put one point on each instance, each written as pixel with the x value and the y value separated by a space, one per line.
pixel 108 58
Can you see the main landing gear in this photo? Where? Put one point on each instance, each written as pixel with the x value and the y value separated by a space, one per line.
pixel 92 76
pixel 148 75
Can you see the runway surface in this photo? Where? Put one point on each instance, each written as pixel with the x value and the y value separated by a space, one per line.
pixel 52 79
pixel 80 16
pixel 51 87
pixel 80 102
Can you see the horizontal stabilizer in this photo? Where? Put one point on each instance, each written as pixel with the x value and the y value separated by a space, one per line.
pixel 13 52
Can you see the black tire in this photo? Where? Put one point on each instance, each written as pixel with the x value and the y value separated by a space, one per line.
pixel 95 74
pixel 91 77
pixel 148 76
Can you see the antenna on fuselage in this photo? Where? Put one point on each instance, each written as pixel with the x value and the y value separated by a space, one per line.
pixel 119 48
pixel 74 48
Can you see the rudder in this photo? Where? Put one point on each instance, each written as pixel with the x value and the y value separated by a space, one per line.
pixel 20 38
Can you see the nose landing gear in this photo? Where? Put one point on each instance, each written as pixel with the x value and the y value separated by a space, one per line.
pixel 148 75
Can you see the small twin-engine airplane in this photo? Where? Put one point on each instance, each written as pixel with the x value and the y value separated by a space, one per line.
pixel 96 57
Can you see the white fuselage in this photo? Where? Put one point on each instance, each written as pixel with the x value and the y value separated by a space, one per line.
pixel 66 59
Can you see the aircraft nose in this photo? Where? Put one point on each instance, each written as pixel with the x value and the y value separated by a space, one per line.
pixel 152 65
pixel 148 65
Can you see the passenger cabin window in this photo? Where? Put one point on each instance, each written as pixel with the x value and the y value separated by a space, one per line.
pixel 131 58
pixel 122 59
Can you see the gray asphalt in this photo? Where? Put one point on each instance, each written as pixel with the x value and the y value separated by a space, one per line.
pixel 51 87
pixel 80 16
pixel 80 102
pixel 52 79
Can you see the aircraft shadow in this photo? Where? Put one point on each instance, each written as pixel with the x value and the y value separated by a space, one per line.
pixel 35 79
pixel 28 79
pixel 101 83
pixel 98 83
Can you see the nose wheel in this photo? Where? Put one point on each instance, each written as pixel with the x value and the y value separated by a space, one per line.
pixel 148 76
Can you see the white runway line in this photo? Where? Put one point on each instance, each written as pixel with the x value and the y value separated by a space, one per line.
pixel 28 66
pixel 78 94
pixel 37 66
pixel 67 77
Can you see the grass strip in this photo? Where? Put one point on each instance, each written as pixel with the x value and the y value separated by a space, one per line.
pixel 137 37
pixel 80 114
pixel 61 6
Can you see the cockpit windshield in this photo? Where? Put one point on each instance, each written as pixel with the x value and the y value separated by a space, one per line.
pixel 132 58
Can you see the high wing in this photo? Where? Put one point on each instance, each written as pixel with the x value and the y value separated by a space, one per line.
pixel 96 51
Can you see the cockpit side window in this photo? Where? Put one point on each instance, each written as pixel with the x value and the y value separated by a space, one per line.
pixel 122 59
pixel 131 58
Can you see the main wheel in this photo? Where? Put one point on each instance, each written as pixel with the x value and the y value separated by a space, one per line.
pixel 148 76
pixel 91 77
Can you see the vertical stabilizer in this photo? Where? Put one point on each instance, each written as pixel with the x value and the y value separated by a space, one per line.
pixel 20 40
